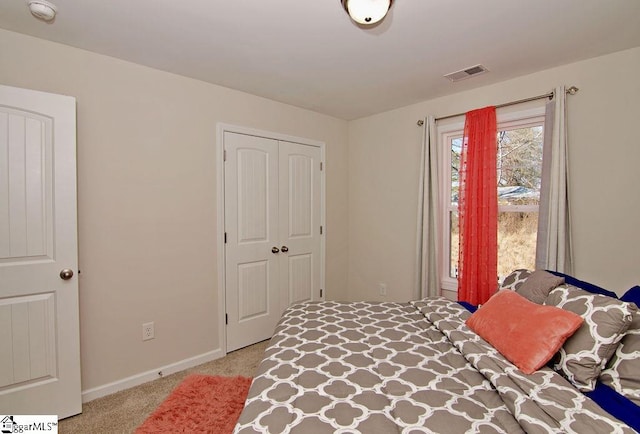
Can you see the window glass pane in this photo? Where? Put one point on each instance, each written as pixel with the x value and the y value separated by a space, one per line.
pixel 519 165
pixel 517 232
pixel 454 247
pixel 456 149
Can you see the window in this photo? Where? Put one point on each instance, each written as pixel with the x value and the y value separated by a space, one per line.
pixel 520 137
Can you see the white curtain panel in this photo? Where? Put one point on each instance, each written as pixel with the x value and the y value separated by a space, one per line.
pixel 427 275
pixel 553 249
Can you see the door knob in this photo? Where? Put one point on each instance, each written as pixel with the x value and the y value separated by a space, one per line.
pixel 285 249
pixel 275 250
pixel 66 274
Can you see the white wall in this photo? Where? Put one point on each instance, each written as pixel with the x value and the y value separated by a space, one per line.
pixel 604 174
pixel 147 206
pixel 147 199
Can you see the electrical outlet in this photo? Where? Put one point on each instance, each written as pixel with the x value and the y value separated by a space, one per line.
pixel 148 331
pixel 383 288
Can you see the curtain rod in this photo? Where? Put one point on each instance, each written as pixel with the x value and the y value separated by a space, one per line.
pixel 572 91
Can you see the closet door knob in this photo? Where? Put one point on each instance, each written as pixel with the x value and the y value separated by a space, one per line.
pixel 66 274
pixel 285 249
pixel 275 250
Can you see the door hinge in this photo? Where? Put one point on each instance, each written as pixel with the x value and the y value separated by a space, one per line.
pixel 321 166
pixel 224 155
pixel 320 230
pixel 321 293
pixel 225 238
pixel 226 318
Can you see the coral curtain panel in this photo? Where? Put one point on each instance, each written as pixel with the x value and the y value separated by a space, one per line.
pixel 478 208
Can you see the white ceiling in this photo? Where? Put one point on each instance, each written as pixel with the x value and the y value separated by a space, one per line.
pixel 309 54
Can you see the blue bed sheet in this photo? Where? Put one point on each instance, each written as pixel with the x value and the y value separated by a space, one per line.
pixel 616 405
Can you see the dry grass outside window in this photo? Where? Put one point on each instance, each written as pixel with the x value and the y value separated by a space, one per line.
pixel 517 234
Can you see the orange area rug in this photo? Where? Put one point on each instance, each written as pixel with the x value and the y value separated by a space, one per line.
pixel 200 404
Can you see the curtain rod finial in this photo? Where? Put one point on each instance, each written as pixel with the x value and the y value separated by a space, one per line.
pixel 572 90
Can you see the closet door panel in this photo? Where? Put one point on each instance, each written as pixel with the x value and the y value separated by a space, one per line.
pixel 300 221
pixel 251 226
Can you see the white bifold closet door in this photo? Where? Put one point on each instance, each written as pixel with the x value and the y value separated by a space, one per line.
pixel 272 230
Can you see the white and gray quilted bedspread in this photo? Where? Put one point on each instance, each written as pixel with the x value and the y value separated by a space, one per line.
pixel 414 367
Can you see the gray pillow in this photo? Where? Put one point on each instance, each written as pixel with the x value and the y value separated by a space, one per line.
pixel 515 279
pixel 623 370
pixel 606 320
pixel 538 285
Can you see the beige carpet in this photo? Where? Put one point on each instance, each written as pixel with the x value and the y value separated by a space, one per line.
pixel 124 411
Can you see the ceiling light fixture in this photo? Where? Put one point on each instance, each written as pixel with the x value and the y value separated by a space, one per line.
pixel 42 9
pixel 367 12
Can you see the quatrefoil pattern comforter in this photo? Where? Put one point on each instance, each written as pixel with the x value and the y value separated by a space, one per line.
pixel 403 368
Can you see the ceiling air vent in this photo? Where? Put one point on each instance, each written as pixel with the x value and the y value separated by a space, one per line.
pixel 466 73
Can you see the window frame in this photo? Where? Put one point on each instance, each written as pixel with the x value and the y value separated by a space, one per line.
pixel 447 132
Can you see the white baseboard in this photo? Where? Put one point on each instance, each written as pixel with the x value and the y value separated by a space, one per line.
pixel 144 377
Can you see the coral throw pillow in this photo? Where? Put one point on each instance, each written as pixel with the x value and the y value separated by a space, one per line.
pixel 526 333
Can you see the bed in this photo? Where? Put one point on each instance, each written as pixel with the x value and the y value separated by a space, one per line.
pixel 386 367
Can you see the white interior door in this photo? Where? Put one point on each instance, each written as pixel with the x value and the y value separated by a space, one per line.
pixel 272 230
pixel 39 326
pixel 299 218
pixel 251 228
